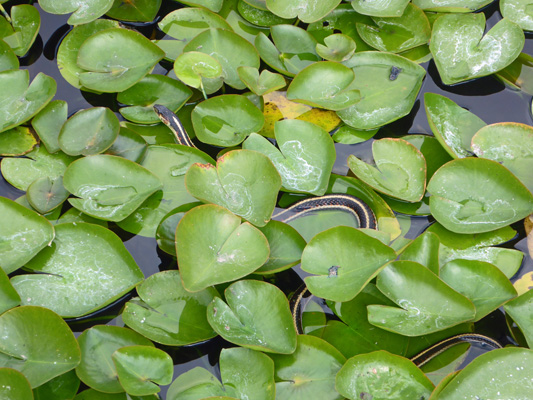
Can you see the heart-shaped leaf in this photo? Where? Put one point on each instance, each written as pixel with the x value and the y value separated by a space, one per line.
pixel 37 342
pixel 83 11
pixel 226 120
pixel 451 5
pixel 336 47
pixel 24 233
pixel 509 143
pixel 324 84
pixel 258 14
pixel 473 195
pixel 400 169
pixel 115 59
pixel 198 383
pixel 305 157
pixel 17 141
pixel 379 374
pixel 518 11
pixel 199 70
pixel 452 125
pixel 427 303
pixel 244 181
pixel 256 315
pixel 389 85
pixel 344 260
pixel 214 247
pixel 521 310
pixel 260 84
pixel 109 187
pixel 14 385
pixel 26 21
pixel 462 53
pixel 75 280
pixel 309 372
pixel 134 10
pixel 378 8
pixel 45 194
pixel 166 313
pixel 48 124
pixel 307 11
pixel 20 100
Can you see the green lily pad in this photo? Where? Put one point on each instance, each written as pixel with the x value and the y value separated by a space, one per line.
pixel 520 310
pixel 24 233
pixel 400 169
pixel 473 195
pixel 503 373
pixel 483 283
pixel 344 260
pixel 67 53
pixel 198 383
pixel 89 132
pixel 261 84
pixel 38 343
pixel 423 250
pixel 254 13
pixel 452 125
pixel 8 59
pixel 73 279
pixel 64 386
pixel 462 53
pixel 134 10
pixel 26 21
pixel 380 8
pixel 518 11
pixel 519 74
pixel 73 215
pixel 427 304
pixel 17 141
pixel 128 145
pixel 293 49
pixel 45 194
pixel 20 101
pixel 324 84
pixel 166 231
pixel 213 5
pixel 305 157
pixel 115 59
pixel 509 143
pixel 83 11
pixel 244 181
pixel 307 11
pixel 199 70
pixel 240 25
pixel 389 85
pixel 348 135
pixel 141 369
pixel 336 47
pixel 456 6
pixel 256 316
pixel 226 120
pixel 214 247
pixel 48 124
pixel 9 297
pixel 309 372
pixel 98 344
pixel 109 187
pixel 166 313
pixel 218 43
pixel 169 163
pixel 14 385
pixel 381 375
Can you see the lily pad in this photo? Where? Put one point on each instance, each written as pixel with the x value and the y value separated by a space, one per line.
pixel 37 343
pixel 218 43
pixel 45 194
pixel 109 187
pixel 128 145
pixel 519 74
pixel 166 231
pixel 98 344
pixel 14 385
pixel 381 375
pixel 473 195
pixel 214 247
pixel 134 10
pixel 456 6
pixel 26 22
pixel 89 132
pixel 518 11
pixel 115 59
pixel 166 313
pixel 380 8
pixel 305 157
pixel 199 70
pixel 9 297
pixel 256 14
pixel 461 52
pixel 226 120
pixel 336 47
pixel 63 386
pixel 8 59
pixel 256 316
pixel 397 34
pixel 244 181
pixel 424 250
pixel 389 85
pixel 324 84
pixel 307 11
pixel 213 5
pixel 48 124
pixel 400 169
pixel 24 233
pixel 73 279
pixel 20 100
pixel 427 304
pixel 520 310
pixel 83 11
pixel 511 144
pixel 17 141
pixel 452 125
pixel 261 84
pixel 198 383
pixel 344 260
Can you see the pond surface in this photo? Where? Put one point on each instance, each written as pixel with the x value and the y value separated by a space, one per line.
pixel 485 97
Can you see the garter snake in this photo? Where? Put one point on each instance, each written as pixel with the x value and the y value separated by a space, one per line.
pixel 366 218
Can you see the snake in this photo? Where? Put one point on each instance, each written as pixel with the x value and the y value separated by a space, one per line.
pixel 366 218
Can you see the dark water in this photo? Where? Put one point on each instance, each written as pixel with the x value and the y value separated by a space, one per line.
pixel 485 97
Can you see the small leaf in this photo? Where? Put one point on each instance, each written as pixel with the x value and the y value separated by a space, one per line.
pixel 199 70
pixel 45 194
pixel 83 10
pixel 48 124
pixel 260 84
pixel 307 11
pixel 25 20
pixel 378 8
pixel 17 141
pixel 134 10
pixel 8 59
pixel 336 47
pixel 198 383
